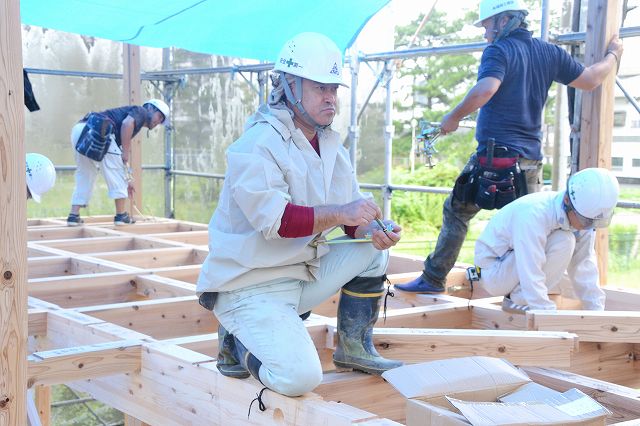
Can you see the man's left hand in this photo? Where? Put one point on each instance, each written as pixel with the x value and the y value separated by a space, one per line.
pixel 382 240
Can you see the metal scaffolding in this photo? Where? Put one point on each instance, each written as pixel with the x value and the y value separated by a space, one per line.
pixel 171 77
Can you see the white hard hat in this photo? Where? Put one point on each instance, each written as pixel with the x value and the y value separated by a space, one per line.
pixel 162 107
pixel 41 175
pixel 594 193
pixel 489 8
pixel 313 56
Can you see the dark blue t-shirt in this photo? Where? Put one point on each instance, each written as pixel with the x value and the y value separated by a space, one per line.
pixel 118 115
pixel 527 67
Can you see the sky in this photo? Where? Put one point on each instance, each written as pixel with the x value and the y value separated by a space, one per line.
pixel 377 35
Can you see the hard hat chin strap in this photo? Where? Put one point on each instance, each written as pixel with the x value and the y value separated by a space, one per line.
pixel 516 19
pixel 297 103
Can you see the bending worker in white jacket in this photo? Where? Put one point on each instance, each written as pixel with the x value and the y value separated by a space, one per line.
pixel 289 182
pixel 528 245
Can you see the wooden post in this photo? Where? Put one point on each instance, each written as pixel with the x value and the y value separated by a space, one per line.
pixel 13 223
pixel 133 96
pixel 43 404
pixel 596 125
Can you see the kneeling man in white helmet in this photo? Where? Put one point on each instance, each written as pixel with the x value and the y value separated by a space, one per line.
pixel 527 247
pixel 289 182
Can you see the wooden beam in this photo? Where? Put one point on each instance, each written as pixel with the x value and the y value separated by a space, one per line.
pixel 133 96
pixel 488 315
pixel 69 329
pixel 107 244
pixel 37 322
pixel 533 348
pixel 197 238
pixel 434 316
pixel 63 233
pixel 613 362
pixel 596 123
pixel 83 362
pixel 13 224
pixel 159 318
pixel 380 397
pixel 176 386
pixel 41 267
pixel 591 326
pixel 157 287
pixel 156 258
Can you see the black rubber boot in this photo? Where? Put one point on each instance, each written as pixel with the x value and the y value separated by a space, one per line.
pixel 228 363
pixel 357 313
pixel 248 361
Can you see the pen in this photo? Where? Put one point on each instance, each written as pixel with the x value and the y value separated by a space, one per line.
pixel 382 225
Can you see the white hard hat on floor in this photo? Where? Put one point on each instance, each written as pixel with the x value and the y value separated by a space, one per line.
pixel 41 175
pixel 489 8
pixel 594 193
pixel 313 56
pixel 162 107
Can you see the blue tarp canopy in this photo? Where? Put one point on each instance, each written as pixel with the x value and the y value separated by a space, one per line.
pixel 241 28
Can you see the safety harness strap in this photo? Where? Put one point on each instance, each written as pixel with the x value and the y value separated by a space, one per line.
pixel 297 102
pixel 516 20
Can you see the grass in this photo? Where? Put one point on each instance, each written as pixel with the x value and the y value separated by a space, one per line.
pixel 195 200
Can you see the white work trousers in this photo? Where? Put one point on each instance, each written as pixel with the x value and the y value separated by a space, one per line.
pixel 265 317
pixel 112 169
pixel 501 277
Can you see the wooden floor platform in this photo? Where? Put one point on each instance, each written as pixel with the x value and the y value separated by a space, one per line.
pixel 113 312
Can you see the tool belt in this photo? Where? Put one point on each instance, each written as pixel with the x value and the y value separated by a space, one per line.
pixel 96 136
pixel 208 300
pixel 492 183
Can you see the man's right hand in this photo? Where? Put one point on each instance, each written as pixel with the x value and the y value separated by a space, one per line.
pixel 448 124
pixel 616 46
pixel 359 212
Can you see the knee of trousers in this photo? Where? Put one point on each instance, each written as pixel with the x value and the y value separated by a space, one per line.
pixel 379 262
pixel 376 261
pixel 296 379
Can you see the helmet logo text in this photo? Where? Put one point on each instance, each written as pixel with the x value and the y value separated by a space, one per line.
pixel 290 63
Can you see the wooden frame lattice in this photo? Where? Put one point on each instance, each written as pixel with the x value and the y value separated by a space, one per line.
pixel 116 316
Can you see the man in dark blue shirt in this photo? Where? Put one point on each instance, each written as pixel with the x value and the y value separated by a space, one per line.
pixel 126 122
pixel 516 71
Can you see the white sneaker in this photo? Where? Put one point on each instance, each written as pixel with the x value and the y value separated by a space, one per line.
pixel 509 306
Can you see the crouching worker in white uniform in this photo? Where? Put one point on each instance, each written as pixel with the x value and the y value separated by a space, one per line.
pixel 527 247
pixel 289 182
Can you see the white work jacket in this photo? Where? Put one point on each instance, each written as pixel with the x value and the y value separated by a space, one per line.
pixel 270 165
pixel 524 226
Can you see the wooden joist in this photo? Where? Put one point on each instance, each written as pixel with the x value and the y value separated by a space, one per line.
pixel 170 373
pixel 621 327
pixel 84 362
pixel 520 347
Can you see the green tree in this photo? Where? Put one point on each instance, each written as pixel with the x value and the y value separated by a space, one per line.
pixel 430 87
pixel 437 81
